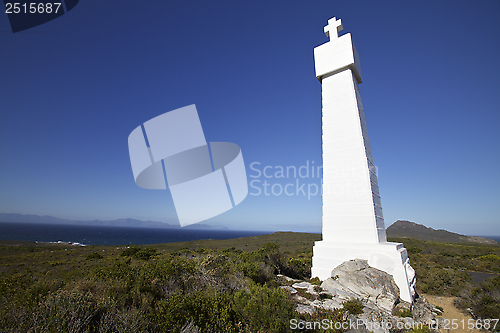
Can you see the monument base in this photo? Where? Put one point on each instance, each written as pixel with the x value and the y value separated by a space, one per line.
pixel 388 257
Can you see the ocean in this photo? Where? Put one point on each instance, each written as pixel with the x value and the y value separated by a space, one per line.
pixel 106 235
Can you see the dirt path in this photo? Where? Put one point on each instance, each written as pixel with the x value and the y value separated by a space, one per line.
pixel 451 312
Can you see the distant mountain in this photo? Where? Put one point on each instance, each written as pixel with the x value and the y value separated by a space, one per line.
pixel 407 229
pixel 20 218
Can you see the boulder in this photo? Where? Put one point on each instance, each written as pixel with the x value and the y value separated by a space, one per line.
pixel 307 286
pixel 377 291
pixel 301 285
pixel 356 279
pixel 423 311
pixel 331 304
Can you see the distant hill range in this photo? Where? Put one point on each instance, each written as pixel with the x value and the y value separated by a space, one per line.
pixel 407 229
pixel 20 218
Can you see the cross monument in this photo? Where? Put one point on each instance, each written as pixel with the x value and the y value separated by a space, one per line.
pixel 353 223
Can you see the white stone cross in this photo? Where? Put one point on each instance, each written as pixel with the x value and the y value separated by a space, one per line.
pixel 333 28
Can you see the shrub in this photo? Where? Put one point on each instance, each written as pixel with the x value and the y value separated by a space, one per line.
pixel 325 296
pixel 263 309
pixel 315 280
pixel 231 249
pixel 94 255
pixel 61 312
pixel 334 316
pixel 492 257
pixel 405 313
pixel 206 309
pixel 257 271
pixel 298 267
pixel 484 301
pixel 215 265
pixel 130 251
pixel 353 306
pixel 487 307
pixel 124 321
pixel 146 253
pixel 138 253
pixel 413 249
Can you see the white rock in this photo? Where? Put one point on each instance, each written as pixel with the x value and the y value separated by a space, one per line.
pixel 355 279
pixel 301 285
pixel 331 304
pixel 290 289
pixel 288 278
pixel 301 308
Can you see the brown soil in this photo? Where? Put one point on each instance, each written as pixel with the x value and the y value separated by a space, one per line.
pixel 451 312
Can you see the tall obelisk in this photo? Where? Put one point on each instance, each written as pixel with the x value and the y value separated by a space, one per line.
pixel 353 224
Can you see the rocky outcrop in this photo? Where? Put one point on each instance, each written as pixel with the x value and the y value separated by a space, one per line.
pixel 355 279
pixel 377 291
pixel 423 311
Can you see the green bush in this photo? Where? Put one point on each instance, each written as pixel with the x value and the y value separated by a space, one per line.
pixel 441 281
pixel 139 253
pixel 61 312
pixel 94 255
pixel 217 265
pixel 146 254
pixel 353 306
pixel 130 251
pixel 335 316
pixel 207 309
pixel 413 249
pixel 325 296
pixel 298 267
pixel 259 309
pixel 264 310
pixel 259 272
pixel 492 257
pixel 484 301
pixel 405 313
pixel 487 307
pixel 315 280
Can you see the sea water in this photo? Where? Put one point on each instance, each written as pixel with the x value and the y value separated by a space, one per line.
pixel 111 235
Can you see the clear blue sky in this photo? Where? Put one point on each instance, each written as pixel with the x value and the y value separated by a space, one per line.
pixel 73 89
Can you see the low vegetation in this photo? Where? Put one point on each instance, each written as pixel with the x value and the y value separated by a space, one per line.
pixel 353 306
pixel 443 269
pixel 60 288
pixel 404 313
pixel 209 286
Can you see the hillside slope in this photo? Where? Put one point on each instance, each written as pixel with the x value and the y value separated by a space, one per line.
pixel 407 229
